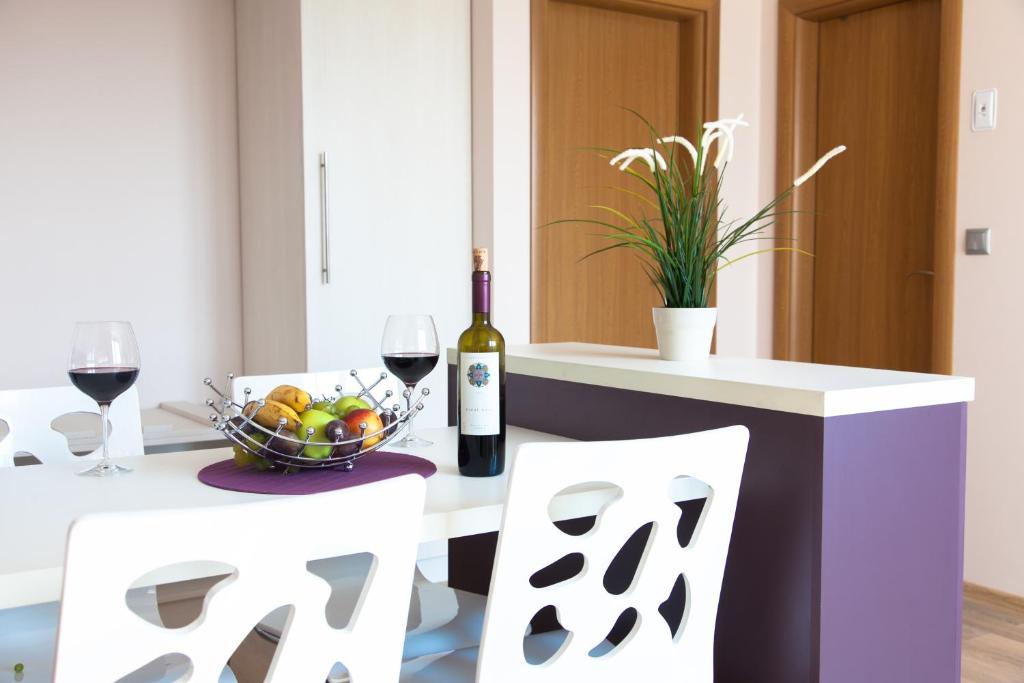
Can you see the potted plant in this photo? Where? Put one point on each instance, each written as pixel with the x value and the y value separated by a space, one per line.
pixel 685 242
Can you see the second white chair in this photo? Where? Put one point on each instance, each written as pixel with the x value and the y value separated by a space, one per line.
pixel 652 649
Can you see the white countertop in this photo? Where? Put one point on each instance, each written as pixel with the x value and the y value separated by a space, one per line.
pixel 804 388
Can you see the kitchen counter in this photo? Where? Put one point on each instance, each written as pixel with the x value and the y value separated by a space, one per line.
pixel 846 561
pixel 804 388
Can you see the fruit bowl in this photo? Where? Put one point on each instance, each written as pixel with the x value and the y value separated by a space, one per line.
pixel 272 433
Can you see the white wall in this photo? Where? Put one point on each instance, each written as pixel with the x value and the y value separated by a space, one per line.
pixel 989 325
pixel 501 156
pixel 747 86
pixel 118 186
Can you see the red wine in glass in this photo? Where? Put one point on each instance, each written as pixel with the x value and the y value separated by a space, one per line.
pixel 105 384
pixel 410 367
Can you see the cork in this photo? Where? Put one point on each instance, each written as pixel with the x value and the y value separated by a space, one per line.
pixel 480 261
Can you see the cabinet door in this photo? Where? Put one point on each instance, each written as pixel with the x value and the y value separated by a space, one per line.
pixel 386 95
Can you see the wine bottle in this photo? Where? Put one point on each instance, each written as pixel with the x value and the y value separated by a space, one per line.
pixel 481 382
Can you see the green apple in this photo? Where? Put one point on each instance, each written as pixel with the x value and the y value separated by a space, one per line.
pixel 315 420
pixel 346 404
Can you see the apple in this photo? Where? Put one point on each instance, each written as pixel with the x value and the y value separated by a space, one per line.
pixel 316 420
pixel 346 404
pixel 373 425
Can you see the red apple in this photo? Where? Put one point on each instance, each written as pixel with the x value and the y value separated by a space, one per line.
pixel 372 422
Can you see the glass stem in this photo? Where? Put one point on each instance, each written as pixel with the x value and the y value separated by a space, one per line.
pixel 408 406
pixel 104 429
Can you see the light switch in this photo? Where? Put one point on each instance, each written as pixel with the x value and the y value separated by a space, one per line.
pixel 978 241
pixel 984 110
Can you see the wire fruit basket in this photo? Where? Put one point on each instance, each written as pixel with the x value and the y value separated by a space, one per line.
pixel 281 450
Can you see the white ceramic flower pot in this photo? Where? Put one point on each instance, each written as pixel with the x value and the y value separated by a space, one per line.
pixel 685 333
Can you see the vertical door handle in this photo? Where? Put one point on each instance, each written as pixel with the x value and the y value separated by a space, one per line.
pixel 325 224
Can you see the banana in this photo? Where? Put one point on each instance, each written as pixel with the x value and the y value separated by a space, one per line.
pixel 293 397
pixel 270 415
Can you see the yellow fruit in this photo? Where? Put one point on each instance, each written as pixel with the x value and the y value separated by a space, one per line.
pixel 270 415
pixel 293 397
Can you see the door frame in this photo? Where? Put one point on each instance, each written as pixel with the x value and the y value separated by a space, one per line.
pixel 701 77
pixel 797 151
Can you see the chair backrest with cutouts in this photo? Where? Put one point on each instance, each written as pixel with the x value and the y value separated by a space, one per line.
pixel 649 643
pixel 319 384
pixel 30 412
pixel 268 543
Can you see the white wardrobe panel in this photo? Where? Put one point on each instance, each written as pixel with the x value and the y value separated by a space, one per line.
pixel 386 95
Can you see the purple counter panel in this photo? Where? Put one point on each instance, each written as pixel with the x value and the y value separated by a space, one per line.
pixel 847 551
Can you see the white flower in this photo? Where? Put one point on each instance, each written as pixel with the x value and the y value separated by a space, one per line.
pixel 835 151
pixel 630 155
pixel 680 140
pixel 722 131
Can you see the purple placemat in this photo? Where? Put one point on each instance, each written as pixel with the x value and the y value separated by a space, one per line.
pixel 376 467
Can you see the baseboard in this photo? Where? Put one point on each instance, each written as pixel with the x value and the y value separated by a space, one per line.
pixel 993 595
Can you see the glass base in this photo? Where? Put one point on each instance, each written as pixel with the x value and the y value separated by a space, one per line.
pixel 105 469
pixel 411 442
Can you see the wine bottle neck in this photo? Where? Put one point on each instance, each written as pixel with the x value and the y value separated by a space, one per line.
pixel 481 296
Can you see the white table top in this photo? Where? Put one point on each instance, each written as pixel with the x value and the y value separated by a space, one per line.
pixel 38 503
pixel 805 388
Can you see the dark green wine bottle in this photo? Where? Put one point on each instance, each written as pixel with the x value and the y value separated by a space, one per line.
pixel 481 382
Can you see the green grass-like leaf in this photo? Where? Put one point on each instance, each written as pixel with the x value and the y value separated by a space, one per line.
pixel 681 248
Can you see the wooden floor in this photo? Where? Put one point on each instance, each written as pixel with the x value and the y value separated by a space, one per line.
pixel 993 637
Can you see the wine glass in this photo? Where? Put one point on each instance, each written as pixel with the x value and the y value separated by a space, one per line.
pixel 104 363
pixel 410 350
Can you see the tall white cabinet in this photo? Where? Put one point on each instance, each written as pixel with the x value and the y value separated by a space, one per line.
pixel 355 143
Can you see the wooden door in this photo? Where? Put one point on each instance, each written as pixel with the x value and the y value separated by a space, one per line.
pixel 874 76
pixel 590 63
pixel 877 90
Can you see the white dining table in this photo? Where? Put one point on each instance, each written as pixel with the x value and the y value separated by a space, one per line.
pixel 39 502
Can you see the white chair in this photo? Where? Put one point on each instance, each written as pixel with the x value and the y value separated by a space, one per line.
pixel 29 413
pixel 644 470
pixel 269 544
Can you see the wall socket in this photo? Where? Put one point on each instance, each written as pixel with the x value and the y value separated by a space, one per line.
pixel 983 115
pixel 978 241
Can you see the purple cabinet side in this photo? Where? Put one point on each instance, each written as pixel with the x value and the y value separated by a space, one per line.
pixel 892 546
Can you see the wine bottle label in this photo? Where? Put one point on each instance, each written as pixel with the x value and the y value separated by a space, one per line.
pixel 480 413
